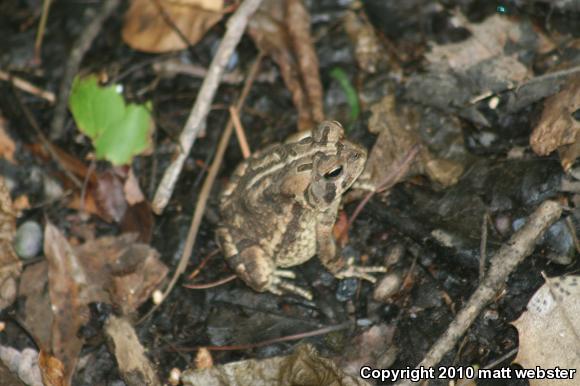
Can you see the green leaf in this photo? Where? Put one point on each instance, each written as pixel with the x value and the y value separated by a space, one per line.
pixel 351 96
pixel 119 131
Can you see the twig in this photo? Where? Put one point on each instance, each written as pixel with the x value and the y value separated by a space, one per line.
pixel 512 253
pixel 27 86
pixel 213 284
pixel 203 263
pixel 483 247
pixel 134 366
pixel 235 28
pixel 287 338
pixel 206 188
pixel 240 133
pixel 41 29
pixel 172 66
pixel 46 143
pixel 71 67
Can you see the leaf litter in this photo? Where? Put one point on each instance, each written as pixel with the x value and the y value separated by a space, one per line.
pixel 492 62
pixel 57 292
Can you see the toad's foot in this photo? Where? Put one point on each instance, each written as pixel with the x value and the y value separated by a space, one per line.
pixel 279 286
pixel 357 271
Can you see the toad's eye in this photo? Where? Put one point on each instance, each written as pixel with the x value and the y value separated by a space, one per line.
pixel 337 171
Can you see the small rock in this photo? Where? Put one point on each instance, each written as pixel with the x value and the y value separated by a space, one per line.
pixel 387 287
pixel 394 255
pixel 52 189
pixel 28 240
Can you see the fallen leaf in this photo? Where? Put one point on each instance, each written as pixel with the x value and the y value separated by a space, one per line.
pixel 283 32
pixel 147 29
pixel 488 62
pixel 304 367
pixel 132 190
pixel 109 195
pixel 51 369
pixel 110 270
pixel 369 349
pixel 10 265
pixel 104 192
pixel 488 40
pixel 548 330
pixel 126 270
pixel 367 48
pixel 558 128
pixel 65 279
pixel 139 219
pixel 397 129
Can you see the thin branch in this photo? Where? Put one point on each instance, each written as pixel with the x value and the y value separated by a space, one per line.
pixel 287 338
pixel 71 67
pixel 213 284
pixel 45 142
pixel 235 28
pixel 206 188
pixel 503 263
pixel 240 133
pixel 41 29
pixel 27 86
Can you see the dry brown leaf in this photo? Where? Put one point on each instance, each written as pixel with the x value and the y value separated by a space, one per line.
pixel 549 330
pixel 51 369
pixel 132 190
pixel 370 348
pixel 103 195
pixel 36 313
pixel 462 55
pixel 7 145
pixel 139 219
pixel 283 32
pixel 488 62
pixel 127 271
pixel 146 28
pixel 113 270
pixel 367 48
pixel 304 367
pixel 208 5
pixel 109 195
pixel 397 128
pixel 65 279
pixel 10 265
pixel 558 128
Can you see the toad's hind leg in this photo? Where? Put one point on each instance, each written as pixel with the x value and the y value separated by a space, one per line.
pixel 259 272
pixel 253 266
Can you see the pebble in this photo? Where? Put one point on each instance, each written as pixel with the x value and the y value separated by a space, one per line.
pixel 28 240
pixel 387 287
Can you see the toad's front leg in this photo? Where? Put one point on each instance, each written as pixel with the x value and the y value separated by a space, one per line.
pixel 332 260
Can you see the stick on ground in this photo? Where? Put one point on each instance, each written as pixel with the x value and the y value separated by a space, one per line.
pixel 503 263
pixel 235 28
pixel 206 188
